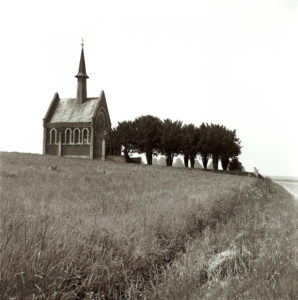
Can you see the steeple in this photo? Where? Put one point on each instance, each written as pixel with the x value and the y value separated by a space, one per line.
pixel 82 77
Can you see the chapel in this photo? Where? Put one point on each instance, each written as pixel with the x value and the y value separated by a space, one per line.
pixel 77 127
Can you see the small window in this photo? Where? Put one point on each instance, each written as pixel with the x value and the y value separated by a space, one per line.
pixel 85 136
pixel 76 136
pixel 67 136
pixel 53 136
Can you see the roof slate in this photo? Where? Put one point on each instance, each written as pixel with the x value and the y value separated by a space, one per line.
pixel 69 110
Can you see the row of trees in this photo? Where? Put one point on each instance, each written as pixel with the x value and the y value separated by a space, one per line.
pixel 152 136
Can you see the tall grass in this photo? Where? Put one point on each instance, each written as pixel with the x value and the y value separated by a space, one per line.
pixel 251 256
pixel 106 230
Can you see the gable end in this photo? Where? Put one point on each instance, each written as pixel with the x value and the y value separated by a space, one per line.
pixel 51 109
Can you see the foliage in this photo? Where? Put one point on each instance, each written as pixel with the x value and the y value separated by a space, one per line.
pixel 204 144
pixel 95 227
pixel 216 134
pixel 149 135
pixel 224 144
pixel 124 135
pixel 235 165
pixel 88 231
pixel 189 143
pixel 171 135
pixel 230 148
pixel 238 258
pixel 218 142
pixel 148 132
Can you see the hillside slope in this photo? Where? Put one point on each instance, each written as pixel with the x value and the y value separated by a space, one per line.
pixel 102 229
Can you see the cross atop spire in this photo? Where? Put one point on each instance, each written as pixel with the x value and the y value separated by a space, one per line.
pixel 82 76
pixel 82 66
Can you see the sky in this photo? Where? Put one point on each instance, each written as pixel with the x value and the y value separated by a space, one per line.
pixel 227 62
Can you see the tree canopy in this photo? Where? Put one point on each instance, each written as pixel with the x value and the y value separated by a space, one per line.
pixel 149 135
pixel 190 143
pixel 124 136
pixel 170 143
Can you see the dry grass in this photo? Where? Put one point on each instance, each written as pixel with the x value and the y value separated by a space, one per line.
pixel 107 230
pixel 252 256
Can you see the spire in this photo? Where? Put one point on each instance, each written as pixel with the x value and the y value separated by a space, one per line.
pixel 82 76
pixel 82 67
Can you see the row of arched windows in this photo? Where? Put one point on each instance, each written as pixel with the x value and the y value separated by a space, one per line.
pixel 71 136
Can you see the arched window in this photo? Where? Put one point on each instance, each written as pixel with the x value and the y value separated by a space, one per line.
pixel 76 136
pixel 53 136
pixel 100 123
pixel 85 136
pixel 67 136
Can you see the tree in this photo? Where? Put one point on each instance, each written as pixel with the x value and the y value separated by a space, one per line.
pixel 170 139
pixel 235 165
pixel 231 147
pixel 114 142
pixel 223 145
pixel 216 136
pixel 147 139
pixel 124 136
pixel 204 147
pixel 189 144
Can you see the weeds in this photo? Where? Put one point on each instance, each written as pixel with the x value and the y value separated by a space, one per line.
pixel 107 230
pixel 250 256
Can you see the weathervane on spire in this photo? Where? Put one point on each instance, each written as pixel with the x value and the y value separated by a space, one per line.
pixel 82 42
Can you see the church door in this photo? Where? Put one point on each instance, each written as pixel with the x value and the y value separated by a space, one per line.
pixel 97 147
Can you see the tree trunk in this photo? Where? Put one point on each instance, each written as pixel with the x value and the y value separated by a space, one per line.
pixel 205 161
pixel 186 157
pixel 126 156
pixel 224 163
pixel 149 157
pixel 169 159
pixel 192 161
pixel 215 162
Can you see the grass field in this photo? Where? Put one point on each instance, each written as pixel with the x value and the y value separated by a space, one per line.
pixel 107 230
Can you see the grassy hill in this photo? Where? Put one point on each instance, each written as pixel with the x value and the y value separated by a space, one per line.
pixel 108 230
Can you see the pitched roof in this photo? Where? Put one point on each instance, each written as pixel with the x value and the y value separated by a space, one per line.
pixel 69 110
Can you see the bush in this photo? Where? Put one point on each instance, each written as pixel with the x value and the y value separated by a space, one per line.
pixel 235 165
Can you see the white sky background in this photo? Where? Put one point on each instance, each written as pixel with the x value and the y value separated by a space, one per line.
pixel 233 63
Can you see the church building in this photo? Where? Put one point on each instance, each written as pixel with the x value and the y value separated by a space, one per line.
pixel 77 127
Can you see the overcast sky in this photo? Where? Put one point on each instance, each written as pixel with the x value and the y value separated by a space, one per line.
pixel 233 63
